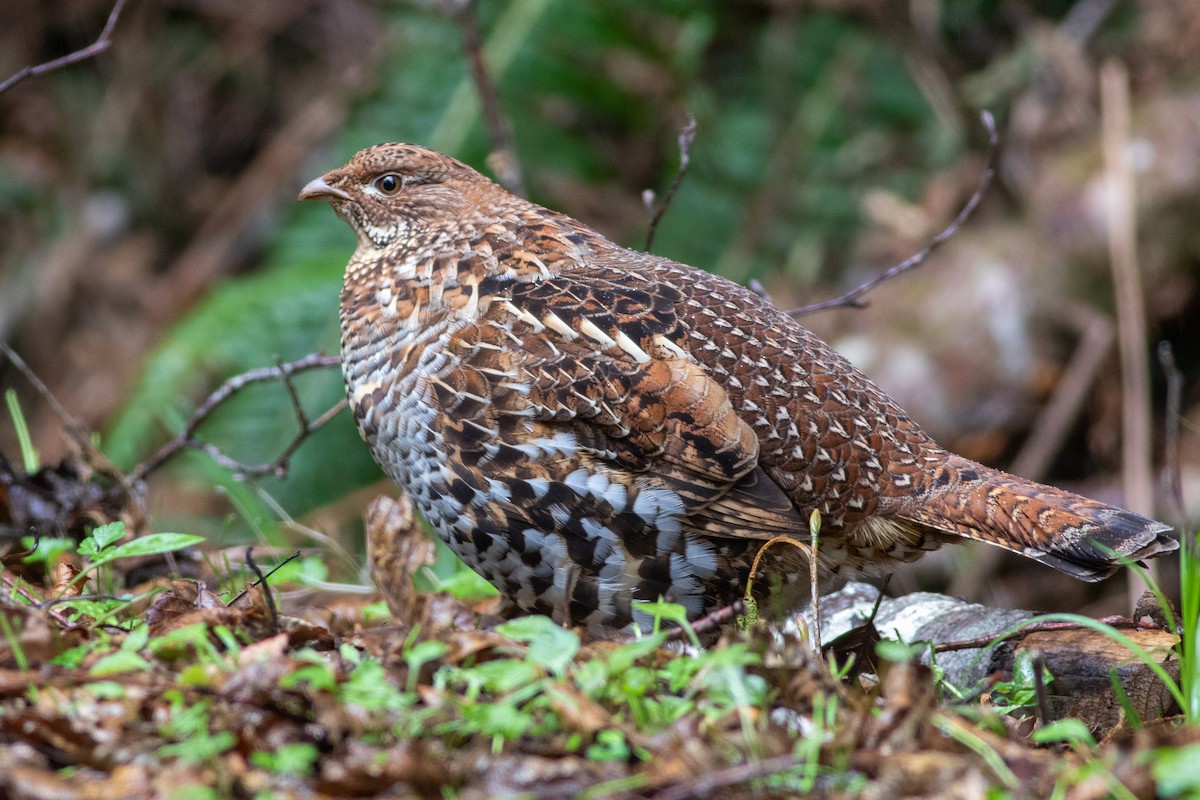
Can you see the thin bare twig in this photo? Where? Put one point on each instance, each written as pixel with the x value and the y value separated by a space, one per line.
pixel 268 596
pixel 686 137
pixel 977 643
pixel 503 158
pixel 94 49
pixel 281 372
pixel 1042 707
pixel 62 601
pixel 262 580
pixel 851 299
pixel 1172 474
pixel 708 783
pixel 11 587
pixel 722 616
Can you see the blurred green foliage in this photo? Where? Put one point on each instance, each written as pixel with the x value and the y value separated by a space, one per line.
pixel 797 114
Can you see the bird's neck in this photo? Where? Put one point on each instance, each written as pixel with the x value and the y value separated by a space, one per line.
pixel 434 274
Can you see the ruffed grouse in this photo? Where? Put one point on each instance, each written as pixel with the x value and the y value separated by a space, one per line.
pixel 587 425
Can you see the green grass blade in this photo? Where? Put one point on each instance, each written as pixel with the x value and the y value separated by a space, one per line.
pixel 30 459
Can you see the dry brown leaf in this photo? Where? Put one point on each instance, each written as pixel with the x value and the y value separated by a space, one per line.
pixel 577 711
pixel 397 548
pixel 37 636
pixel 182 598
pixel 263 650
pixel 65 572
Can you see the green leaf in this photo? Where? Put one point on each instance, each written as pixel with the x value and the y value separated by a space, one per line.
pixel 661 609
pixel 637 681
pixel 109 533
pixel 1070 730
pixel 200 748
pixel 195 675
pixel 376 612
pixel 465 584
pixel 625 656
pixel 317 676
pixel 421 653
pixel 591 677
pixel 296 758
pixel 550 645
pixel 502 675
pixel 136 639
pixel 1176 771
pixel 107 690
pixel 368 687
pixel 149 545
pixel 97 609
pixel 501 720
pixel 610 746
pixel 891 650
pixel 194 791
pixel 672 612
pixel 72 658
pixel 101 537
pixel 118 662
pixel 181 641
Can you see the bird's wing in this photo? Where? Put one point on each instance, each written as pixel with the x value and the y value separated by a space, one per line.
pixel 600 364
pixel 590 370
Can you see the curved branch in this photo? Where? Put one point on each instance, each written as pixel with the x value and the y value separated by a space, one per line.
pixel 851 298
pixel 94 49
pixel 186 439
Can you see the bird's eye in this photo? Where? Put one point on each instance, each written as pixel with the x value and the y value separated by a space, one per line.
pixel 388 184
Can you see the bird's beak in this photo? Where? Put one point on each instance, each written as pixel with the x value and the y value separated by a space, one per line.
pixel 321 190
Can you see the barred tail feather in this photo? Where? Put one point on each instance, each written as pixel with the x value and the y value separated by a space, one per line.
pixel 1080 537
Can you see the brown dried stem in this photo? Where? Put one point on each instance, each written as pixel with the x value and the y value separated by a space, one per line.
pixel 711 782
pixel 1137 476
pixel 851 299
pixel 1054 422
pixel 1042 707
pixel 281 372
pixel 503 158
pixel 711 621
pixel 981 642
pixel 1172 473
pixel 94 49
pixel 11 587
pixel 686 137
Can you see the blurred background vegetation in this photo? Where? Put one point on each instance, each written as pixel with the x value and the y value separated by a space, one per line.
pixel 151 247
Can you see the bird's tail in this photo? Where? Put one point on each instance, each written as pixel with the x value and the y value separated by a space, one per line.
pixel 1081 537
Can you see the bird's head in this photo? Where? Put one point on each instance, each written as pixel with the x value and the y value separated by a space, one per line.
pixel 391 192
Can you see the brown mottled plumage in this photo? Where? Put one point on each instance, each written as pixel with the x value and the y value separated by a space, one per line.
pixel 587 425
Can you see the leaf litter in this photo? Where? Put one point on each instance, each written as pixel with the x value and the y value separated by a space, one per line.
pixel 176 688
